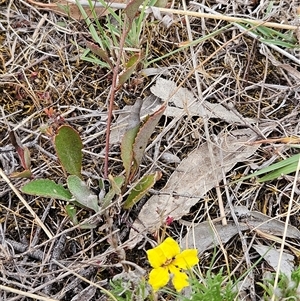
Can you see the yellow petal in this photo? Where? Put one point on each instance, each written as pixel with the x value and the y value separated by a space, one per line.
pixel 158 278
pixel 170 248
pixel 186 259
pixel 156 257
pixel 164 252
pixel 180 279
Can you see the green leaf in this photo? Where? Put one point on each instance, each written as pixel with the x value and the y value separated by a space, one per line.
pixel 127 149
pixel 47 188
pixel 116 184
pixel 88 57
pixel 140 189
pixel 82 194
pixel 144 135
pixel 129 137
pixel 129 69
pixel 71 211
pixel 275 170
pixel 88 22
pixel 96 49
pixel 285 170
pixel 278 43
pixel 68 147
pixel 22 174
pixel 132 8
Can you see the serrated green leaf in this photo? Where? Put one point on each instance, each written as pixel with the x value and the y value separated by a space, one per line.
pixel 140 189
pixel 47 188
pixel 68 147
pixel 82 194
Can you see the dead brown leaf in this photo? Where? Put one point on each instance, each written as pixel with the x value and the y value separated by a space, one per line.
pixel 203 236
pixel 191 180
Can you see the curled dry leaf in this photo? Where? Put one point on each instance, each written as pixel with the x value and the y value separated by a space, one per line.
pixel 166 19
pixel 204 237
pixel 287 67
pixel 22 151
pixel 258 220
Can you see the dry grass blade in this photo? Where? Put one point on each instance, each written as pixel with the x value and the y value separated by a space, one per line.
pixel 25 294
pixel 17 193
pixel 87 281
pixel 227 18
pixel 229 78
pixel 285 230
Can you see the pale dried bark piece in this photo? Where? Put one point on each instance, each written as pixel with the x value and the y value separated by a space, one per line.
pixel 191 180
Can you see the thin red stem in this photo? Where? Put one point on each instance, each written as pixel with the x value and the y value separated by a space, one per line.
pixel 112 97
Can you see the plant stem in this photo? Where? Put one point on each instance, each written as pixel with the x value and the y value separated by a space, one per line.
pixel 113 90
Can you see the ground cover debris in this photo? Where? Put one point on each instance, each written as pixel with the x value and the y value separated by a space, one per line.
pixel 130 127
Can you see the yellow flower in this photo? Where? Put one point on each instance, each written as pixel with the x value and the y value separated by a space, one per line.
pixel 167 259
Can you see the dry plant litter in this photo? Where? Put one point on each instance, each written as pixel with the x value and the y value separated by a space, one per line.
pixel 228 74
